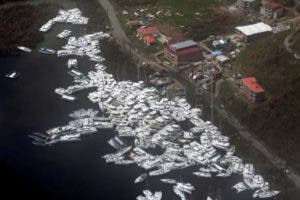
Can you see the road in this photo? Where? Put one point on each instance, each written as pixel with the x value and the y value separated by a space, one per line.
pixel 124 41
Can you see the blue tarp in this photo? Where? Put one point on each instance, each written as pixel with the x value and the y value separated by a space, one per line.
pixel 216 53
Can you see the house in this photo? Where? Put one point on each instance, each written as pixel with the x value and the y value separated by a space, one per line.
pixel 147 31
pixel 149 40
pixel 254 31
pixel 253 91
pixel 148 34
pixel 183 52
pixel 246 4
pixel 272 10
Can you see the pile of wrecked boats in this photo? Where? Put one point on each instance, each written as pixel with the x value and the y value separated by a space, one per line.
pixel 139 114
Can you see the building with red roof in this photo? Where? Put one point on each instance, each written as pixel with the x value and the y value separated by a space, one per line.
pixel 272 10
pixel 254 92
pixel 149 40
pixel 147 31
pixel 183 52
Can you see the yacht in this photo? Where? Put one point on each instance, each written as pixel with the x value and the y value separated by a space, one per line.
pixel 64 34
pixel 239 187
pixel 265 194
pixel 72 63
pixel 169 181
pixel 22 48
pixel 202 174
pixel 248 171
pixel 68 97
pixel 47 50
pixel 141 178
pixel 12 75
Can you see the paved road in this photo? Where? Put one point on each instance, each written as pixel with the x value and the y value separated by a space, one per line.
pixel 260 146
pixel 123 41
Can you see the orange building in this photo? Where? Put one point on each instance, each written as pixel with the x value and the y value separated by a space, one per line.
pixel 254 92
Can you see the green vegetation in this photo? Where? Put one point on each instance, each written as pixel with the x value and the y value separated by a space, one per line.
pixel 19 26
pixel 188 18
pixel 298 8
pixel 276 121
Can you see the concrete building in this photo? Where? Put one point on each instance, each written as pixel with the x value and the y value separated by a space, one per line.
pixel 246 4
pixel 253 91
pixel 254 31
pixel 272 10
pixel 183 52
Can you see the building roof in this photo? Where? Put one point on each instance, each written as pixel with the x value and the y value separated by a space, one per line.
pixel 272 6
pixel 252 84
pixel 148 30
pixel 149 39
pixel 254 28
pixel 188 50
pixel 182 45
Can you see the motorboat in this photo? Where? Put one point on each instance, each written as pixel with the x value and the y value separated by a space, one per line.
pixel 47 50
pixel 26 49
pixel 72 63
pixel 12 75
pixel 239 187
pixel 64 34
pixel 141 178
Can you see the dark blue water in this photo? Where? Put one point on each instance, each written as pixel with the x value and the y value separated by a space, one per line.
pixel 71 170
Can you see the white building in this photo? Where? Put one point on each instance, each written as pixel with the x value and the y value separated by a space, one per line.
pixel 245 4
pixel 254 31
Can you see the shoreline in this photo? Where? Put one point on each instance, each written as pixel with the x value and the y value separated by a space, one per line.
pixel 122 40
pixel 23 32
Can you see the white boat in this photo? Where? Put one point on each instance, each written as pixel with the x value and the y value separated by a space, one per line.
pixel 169 181
pixel 150 196
pixel 248 171
pixel 12 75
pixel 202 174
pixel 72 63
pixel 141 178
pixel 239 187
pixel 47 51
pixel 265 194
pixel 64 34
pixel 68 97
pixel 22 48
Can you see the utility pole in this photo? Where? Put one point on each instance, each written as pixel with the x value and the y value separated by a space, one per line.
pixel 212 101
